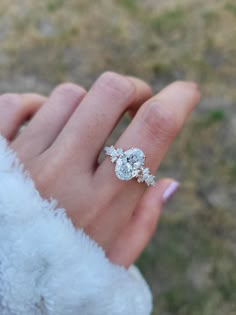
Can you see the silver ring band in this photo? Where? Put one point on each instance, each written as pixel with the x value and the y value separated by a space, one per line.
pixel 130 164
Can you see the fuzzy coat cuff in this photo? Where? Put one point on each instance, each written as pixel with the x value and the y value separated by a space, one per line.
pixel 47 267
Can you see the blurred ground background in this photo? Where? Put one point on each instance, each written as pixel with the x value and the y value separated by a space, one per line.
pixel 191 262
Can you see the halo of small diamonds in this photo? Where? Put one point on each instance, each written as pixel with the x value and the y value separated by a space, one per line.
pixel 130 164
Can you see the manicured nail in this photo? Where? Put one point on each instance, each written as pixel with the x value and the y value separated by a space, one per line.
pixel 170 191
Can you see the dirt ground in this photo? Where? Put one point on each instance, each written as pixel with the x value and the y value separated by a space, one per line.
pixel 191 261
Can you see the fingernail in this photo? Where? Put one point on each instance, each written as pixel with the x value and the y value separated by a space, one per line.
pixel 170 191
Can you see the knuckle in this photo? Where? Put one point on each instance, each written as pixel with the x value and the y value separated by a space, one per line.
pixel 69 88
pixel 116 84
pixel 160 122
pixel 43 176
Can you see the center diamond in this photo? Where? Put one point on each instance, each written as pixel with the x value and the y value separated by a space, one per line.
pixel 128 164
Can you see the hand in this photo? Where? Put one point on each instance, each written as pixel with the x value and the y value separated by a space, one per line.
pixel 61 144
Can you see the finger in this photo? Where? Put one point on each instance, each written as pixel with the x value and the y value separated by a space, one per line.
pixel 15 109
pixel 143 93
pixel 154 127
pixel 32 102
pixel 98 113
pixel 141 227
pixel 49 121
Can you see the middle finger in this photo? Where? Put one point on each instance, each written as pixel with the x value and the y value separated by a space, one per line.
pixel 100 110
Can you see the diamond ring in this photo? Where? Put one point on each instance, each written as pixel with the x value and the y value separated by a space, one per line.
pixel 130 164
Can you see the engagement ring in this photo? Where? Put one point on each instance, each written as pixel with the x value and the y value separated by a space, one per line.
pixel 130 164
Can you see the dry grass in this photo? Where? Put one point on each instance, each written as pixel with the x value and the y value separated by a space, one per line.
pixel 191 261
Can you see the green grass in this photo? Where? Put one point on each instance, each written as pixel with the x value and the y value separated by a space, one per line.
pixel 130 5
pixel 216 115
pixel 162 69
pixel 232 171
pixel 231 7
pixel 181 300
pixel 210 16
pixel 54 5
pixel 169 20
pixel 225 278
pixel 212 117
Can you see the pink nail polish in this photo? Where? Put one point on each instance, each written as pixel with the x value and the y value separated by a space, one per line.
pixel 170 191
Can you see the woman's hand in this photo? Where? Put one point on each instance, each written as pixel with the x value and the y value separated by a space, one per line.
pixel 61 144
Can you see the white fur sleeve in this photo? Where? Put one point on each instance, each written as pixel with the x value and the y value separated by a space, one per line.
pixel 47 267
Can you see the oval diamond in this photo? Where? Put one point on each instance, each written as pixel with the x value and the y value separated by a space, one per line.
pixel 135 157
pixel 124 170
pixel 128 165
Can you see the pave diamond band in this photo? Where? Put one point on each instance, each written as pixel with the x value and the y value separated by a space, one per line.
pixel 130 164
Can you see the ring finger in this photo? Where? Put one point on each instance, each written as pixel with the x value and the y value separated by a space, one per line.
pixel 152 130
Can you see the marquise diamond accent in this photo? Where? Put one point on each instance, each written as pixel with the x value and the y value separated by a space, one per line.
pixel 130 164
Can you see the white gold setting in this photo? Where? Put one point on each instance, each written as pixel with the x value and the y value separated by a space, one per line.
pixel 130 164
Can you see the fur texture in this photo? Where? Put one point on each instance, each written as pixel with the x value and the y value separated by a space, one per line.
pixel 47 267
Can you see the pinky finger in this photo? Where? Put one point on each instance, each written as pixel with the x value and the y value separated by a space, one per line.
pixel 15 109
pixel 136 235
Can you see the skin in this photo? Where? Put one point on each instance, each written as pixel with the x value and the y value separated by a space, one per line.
pixel 66 133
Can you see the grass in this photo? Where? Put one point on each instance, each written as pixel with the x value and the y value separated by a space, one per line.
pixel 159 41
pixel 211 16
pixel 54 5
pixel 169 20
pixel 216 115
pixel 232 171
pixel 130 5
pixel 231 7
pixel 207 122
